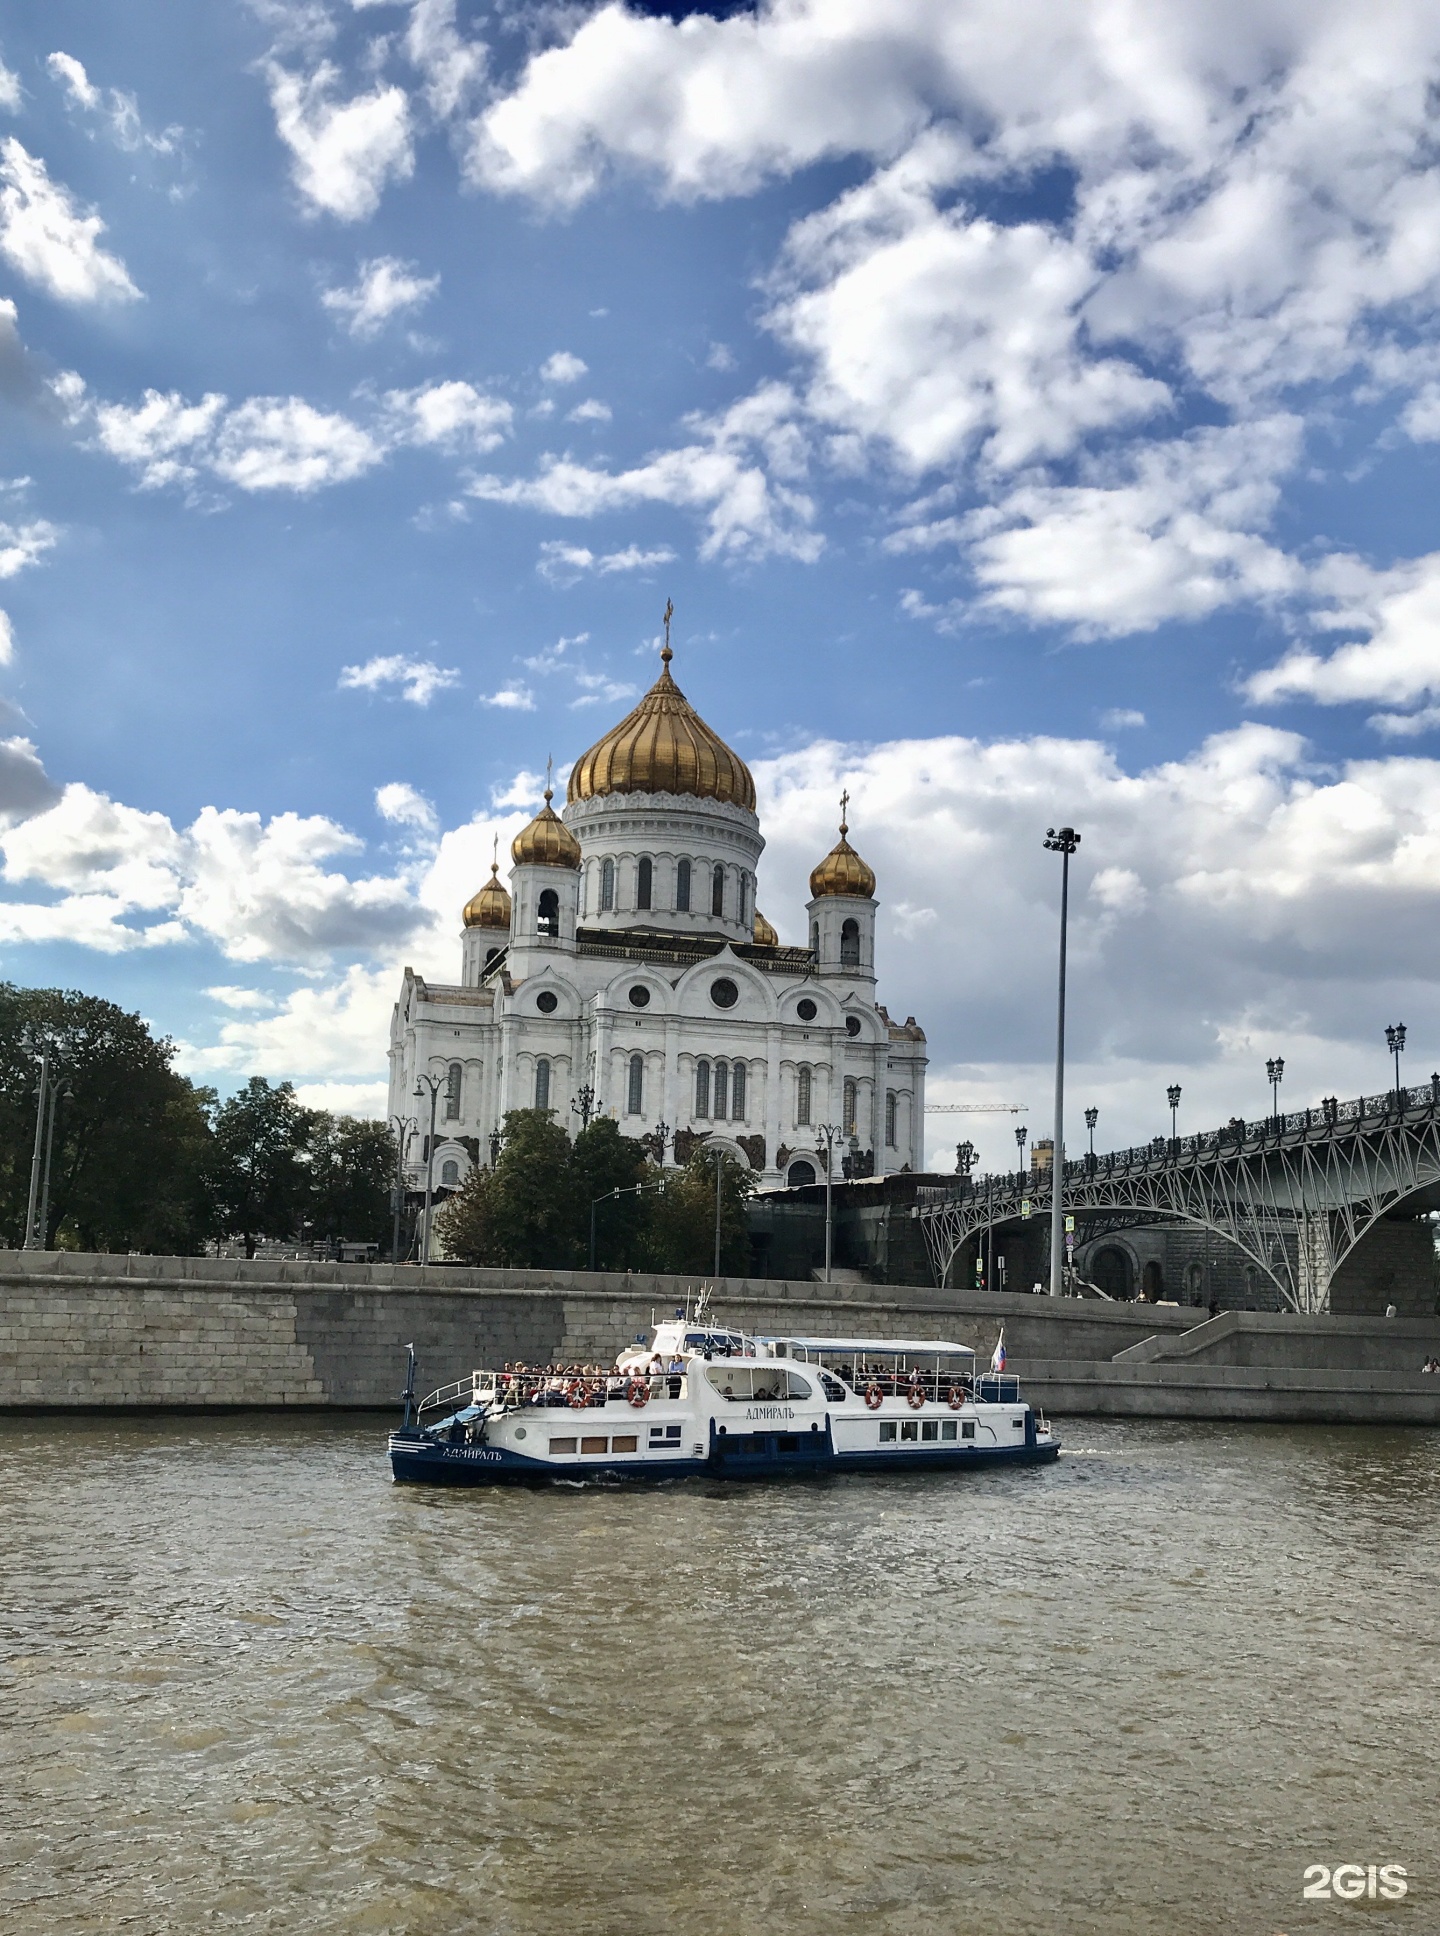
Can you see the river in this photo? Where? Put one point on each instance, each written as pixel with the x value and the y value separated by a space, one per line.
pixel 248 1684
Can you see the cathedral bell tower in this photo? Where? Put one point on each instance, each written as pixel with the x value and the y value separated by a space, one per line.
pixel 842 910
pixel 544 890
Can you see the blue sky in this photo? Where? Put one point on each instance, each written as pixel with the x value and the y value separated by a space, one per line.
pixel 1031 416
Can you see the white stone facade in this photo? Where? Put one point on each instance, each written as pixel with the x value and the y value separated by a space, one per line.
pixel 635 976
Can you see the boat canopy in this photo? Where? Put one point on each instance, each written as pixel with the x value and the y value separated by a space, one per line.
pixel 869 1347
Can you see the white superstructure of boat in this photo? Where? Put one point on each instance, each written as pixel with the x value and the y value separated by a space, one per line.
pixel 708 1398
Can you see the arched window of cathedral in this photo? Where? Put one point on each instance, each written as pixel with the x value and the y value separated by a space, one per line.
pixel 635 1096
pixel 744 899
pixel 850 944
pixel 814 937
pixel 722 1091
pixel 891 1110
pixel 717 890
pixel 449 1173
pixel 682 887
pixel 548 921
pixel 802 1098
pixel 607 885
pixel 644 881
pixel 454 1076
pixel 542 1082
pixel 850 1106
pixel 702 1088
pixel 737 1092
pixel 491 954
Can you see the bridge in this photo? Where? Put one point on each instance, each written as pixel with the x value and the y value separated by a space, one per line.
pixel 1295 1193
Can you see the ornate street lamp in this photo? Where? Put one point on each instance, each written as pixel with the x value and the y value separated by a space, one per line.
pixel 1395 1042
pixel 965 1155
pixel 827 1135
pixel 1092 1116
pixel 1020 1134
pixel 583 1106
pixel 1062 841
pixel 1275 1075
pixel 434 1085
pixel 404 1127
pixel 1172 1096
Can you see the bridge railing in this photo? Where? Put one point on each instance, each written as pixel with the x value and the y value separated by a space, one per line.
pixel 1329 1118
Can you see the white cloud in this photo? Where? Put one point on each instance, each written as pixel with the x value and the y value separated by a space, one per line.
pixel 739 472
pixel 343 152
pixel 159 436
pixel 452 416
pixel 417 680
pixel 1397 663
pixel 7 640
pixel 45 236
pixel 25 786
pixel 1119 719
pixel 563 563
pixel 24 544
pixel 243 999
pixel 405 807
pixel 120 112
pixel 1168 532
pixel 11 95
pixel 359 1099
pixel 592 410
pixel 513 698
pixel 331 1031
pixel 286 444
pixel 385 287
pixel 453 69
pixel 563 367
pixel 598 688
pixel 524 791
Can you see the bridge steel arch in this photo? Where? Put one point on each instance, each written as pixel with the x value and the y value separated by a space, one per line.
pixel 1295 1193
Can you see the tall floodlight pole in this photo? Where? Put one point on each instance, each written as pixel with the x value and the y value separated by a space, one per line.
pixel 42 1103
pixel 825 1135
pixel 58 1092
pixel 1395 1042
pixel 401 1126
pixel 433 1084
pixel 1062 841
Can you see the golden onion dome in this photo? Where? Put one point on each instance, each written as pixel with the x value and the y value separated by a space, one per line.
pixel 490 908
pixel 546 842
pixel 663 746
pixel 764 935
pixel 842 871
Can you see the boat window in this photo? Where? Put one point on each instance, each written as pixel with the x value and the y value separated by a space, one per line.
pixel 600 1444
pixel 967 1430
pixel 930 1429
pixel 562 1445
pixel 909 1431
pixel 664 1434
pixel 832 1388
pixel 625 1442
pixel 765 1383
pixel 887 1434
pixel 948 1429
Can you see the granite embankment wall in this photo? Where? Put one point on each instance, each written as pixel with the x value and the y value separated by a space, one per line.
pixel 99 1332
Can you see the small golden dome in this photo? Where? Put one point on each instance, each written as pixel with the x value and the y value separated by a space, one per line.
pixel 663 746
pixel 842 871
pixel 490 908
pixel 546 842
pixel 764 936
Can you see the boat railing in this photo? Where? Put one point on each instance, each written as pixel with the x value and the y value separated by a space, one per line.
pixel 557 1391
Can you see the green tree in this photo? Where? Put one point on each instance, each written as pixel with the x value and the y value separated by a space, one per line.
pixel 351 1171
pixel 521 1213
pixel 602 1160
pixel 131 1138
pixel 257 1179
pixel 682 1220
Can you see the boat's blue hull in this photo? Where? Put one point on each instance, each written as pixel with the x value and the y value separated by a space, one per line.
pixel 416 1460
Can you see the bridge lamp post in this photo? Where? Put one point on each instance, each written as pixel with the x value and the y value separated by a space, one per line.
pixel 1062 841
pixel 1092 1116
pixel 1395 1042
pixel 1020 1134
pixel 1275 1075
pixel 1172 1096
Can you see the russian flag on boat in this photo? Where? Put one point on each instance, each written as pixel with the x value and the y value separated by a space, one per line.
pixel 997 1357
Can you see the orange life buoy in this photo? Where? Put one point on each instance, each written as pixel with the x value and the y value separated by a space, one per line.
pixel 577 1394
pixel 916 1395
pixel 957 1397
pixel 874 1397
pixel 638 1392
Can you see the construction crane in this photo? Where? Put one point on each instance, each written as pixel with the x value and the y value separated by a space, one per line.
pixel 977 1109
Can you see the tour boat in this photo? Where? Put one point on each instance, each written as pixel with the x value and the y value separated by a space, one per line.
pixel 705 1398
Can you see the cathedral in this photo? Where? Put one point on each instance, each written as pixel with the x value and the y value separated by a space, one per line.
pixel 627 972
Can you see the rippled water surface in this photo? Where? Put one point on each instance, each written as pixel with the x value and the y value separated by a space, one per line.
pixel 247 1683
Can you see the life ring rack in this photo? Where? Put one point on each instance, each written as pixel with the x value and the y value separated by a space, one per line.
pixel 874 1397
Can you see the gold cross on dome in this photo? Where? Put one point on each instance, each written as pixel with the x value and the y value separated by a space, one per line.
pixel 549 777
pixel 665 652
pixel 844 810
